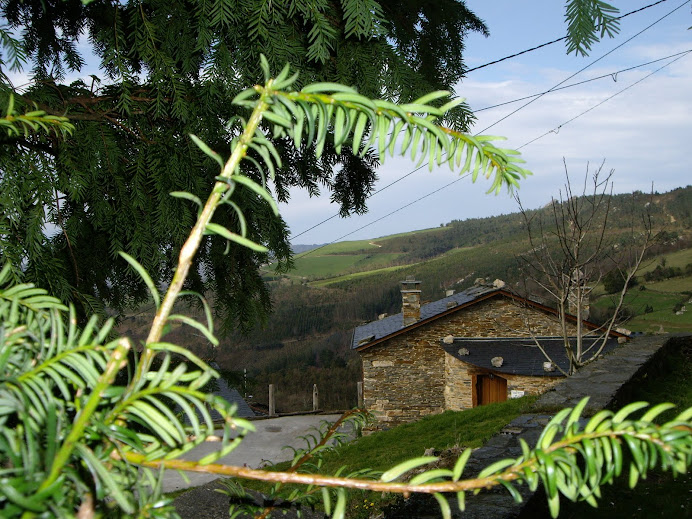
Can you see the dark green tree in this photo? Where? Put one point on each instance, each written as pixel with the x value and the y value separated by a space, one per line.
pixel 614 281
pixel 169 69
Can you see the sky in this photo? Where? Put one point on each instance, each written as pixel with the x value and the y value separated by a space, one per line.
pixel 643 133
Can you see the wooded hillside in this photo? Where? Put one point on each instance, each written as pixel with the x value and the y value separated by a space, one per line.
pixel 335 288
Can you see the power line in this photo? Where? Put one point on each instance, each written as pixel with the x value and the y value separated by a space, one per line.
pixel 370 197
pixel 585 67
pixel 555 41
pixel 612 75
pixel 556 130
pixel 461 177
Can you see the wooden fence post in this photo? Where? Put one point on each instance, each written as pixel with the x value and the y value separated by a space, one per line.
pixel 315 398
pixel 272 404
pixel 359 387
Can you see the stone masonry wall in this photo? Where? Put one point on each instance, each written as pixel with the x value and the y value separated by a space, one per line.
pixel 404 377
pixel 499 317
pixel 495 318
pixel 459 383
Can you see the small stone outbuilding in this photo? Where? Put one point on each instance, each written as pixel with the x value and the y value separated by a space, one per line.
pixel 471 348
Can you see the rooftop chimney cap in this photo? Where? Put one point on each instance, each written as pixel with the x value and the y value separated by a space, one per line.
pixel 410 301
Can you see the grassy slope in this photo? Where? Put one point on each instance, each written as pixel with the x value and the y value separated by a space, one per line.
pixel 662 299
pixel 356 275
pixel 383 450
pixel 320 265
pixel 675 259
pixel 471 428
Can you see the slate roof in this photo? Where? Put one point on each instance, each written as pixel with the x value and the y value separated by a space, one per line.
pixel 231 395
pixel 234 397
pixel 520 356
pixel 394 323
pixel 371 333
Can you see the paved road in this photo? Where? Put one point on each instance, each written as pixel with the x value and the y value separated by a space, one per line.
pixel 265 444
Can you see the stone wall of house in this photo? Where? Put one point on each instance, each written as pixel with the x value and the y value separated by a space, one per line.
pixel 459 388
pixel 495 318
pixel 459 384
pixel 404 377
pixel 499 317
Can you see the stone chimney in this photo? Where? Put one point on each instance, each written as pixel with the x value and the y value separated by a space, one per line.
pixel 410 301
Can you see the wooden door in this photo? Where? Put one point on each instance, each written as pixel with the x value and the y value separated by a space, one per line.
pixel 490 388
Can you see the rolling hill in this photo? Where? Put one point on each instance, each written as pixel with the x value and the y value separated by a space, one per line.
pixel 335 288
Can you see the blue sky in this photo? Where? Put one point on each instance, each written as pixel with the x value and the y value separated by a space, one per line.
pixel 644 134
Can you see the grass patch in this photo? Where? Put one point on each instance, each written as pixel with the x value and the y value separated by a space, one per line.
pixel 355 275
pixel 321 265
pixel 661 302
pixel 333 266
pixel 345 247
pixel 674 259
pixel 470 428
pixel 382 450
pixel 410 233
pixel 673 285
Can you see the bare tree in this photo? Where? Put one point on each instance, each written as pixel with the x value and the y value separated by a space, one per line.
pixel 572 247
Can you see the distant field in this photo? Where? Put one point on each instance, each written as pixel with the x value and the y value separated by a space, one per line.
pixel 662 303
pixel 679 284
pixel 347 277
pixel 673 259
pixel 663 316
pixel 662 296
pixel 345 260
pixel 321 266
pixel 410 233
pixel 349 247
pixel 342 247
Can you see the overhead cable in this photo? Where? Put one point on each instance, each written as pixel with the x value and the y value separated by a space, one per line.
pixel 554 41
pixel 535 98
pixel 557 129
pixel 370 197
pixel 612 75
pixel 461 177
pixel 585 67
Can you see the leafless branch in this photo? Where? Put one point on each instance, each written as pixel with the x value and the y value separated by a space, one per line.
pixel 571 246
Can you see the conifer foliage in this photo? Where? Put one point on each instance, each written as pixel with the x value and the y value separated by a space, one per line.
pixel 169 69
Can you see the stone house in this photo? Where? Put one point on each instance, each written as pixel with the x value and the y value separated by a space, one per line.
pixel 471 348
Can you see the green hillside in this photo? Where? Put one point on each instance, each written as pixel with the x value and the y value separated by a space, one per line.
pixel 335 288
